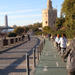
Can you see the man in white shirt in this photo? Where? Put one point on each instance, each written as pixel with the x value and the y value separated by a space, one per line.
pixel 63 43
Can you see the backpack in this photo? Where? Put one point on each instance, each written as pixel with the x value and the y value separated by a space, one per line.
pixel 71 62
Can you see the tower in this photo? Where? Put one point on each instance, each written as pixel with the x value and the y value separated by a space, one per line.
pixel 6 21
pixel 49 4
pixel 49 15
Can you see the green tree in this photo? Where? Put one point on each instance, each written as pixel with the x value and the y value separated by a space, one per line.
pixel 59 22
pixel 38 24
pixel 35 28
pixel 14 26
pixel 12 34
pixel 68 11
pixel 19 30
pixel 47 30
pixel 26 29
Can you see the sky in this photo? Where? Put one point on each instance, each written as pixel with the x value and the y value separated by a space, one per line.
pixel 25 12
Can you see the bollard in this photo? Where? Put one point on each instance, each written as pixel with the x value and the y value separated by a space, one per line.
pixel 34 58
pixel 37 51
pixel 40 49
pixel 44 41
pixel 41 46
pixel 27 64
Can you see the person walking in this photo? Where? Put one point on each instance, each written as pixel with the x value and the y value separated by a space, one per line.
pixel 29 37
pixel 23 37
pixel 63 44
pixel 49 35
pixel 57 41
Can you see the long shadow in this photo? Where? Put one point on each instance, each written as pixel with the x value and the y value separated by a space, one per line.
pixel 17 52
pixel 12 68
pixel 12 47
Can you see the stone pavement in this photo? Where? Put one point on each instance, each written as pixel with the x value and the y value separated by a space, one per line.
pixel 50 62
pixel 13 61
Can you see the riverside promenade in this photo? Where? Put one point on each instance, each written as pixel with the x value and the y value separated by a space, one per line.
pixel 13 61
pixel 50 62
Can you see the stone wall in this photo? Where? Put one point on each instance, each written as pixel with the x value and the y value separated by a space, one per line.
pixel 1 42
pixel 12 40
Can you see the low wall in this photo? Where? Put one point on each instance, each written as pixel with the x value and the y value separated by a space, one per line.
pixel 11 40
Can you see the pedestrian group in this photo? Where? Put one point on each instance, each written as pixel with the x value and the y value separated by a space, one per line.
pixel 67 51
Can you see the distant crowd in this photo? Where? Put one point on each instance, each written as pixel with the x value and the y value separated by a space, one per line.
pixel 66 49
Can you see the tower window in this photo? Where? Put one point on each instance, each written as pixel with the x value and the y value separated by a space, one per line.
pixel 54 22
pixel 46 22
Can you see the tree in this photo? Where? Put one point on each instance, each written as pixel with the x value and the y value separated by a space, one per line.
pixel 59 22
pixel 14 26
pixel 26 29
pixel 35 28
pixel 38 24
pixel 19 30
pixel 46 30
pixel 12 34
pixel 68 10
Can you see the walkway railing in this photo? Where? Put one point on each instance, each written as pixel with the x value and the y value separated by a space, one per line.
pixel 11 40
pixel 35 57
pixel 6 43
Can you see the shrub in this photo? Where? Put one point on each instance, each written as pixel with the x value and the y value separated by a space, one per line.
pixel 70 33
pixel 12 34
pixel 38 33
pixel 19 30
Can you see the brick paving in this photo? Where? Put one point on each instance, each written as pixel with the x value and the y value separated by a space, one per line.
pixel 12 62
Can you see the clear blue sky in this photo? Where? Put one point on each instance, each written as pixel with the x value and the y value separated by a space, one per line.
pixel 24 12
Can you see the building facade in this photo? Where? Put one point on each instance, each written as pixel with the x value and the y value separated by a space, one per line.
pixel 49 15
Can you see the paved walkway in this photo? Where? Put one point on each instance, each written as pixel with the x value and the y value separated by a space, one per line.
pixel 50 62
pixel 12 62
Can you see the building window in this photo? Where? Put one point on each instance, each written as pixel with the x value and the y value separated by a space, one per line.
pixel 46 22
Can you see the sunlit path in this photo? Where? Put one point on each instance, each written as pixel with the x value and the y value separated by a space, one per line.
pixel 13 61
pixel 50 62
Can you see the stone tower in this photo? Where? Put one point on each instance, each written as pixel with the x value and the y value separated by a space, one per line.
pixel 49 15
pixel 6 21
pixel 49 4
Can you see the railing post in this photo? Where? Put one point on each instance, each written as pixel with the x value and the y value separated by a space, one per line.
pixel 40 49
pixel 34 58
pixel 42 45
pixel 37 52
pixel 27 65
pixel 44 41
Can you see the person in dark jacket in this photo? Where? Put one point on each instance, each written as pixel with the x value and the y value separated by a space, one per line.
pixel 28 37
pixel 23 37
pixel 49 35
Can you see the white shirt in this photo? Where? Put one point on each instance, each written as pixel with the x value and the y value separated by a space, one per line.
pixel 57 40
pixel 63 42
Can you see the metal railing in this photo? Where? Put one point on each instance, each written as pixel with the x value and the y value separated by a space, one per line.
pixel 35 57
